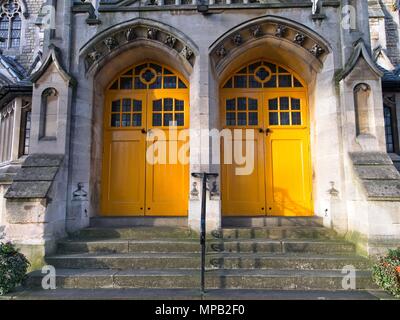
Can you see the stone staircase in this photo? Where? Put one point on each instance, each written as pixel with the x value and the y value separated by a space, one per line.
pixel 287 254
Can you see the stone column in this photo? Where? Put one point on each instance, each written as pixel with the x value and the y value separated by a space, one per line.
pixel 202 120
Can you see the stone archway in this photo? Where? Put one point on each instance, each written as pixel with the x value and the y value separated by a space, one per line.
pixel 309 55
pixel 113 51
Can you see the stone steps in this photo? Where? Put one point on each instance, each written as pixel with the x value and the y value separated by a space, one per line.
pixel 293 254
pixel 146 233
pixel 215 279
pixel 195 294
pixel 261 222
pixel 234 245
pixel 192 261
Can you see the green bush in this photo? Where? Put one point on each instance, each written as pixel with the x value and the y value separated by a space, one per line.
pixel 386 272
pixel 13 267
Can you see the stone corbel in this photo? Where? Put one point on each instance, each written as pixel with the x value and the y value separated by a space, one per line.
pixel 86 7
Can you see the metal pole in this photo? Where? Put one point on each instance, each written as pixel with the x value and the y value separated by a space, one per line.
pixel 203 231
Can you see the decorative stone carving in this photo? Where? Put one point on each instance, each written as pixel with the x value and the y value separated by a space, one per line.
pixel 317 51
pixel 152 33
pixel 237 39
pixel 111 43
pixel 186 52
pixel 280 31
pixel 299 39
pixel 221 52
pixel 333 191
pixel 170 41
pixel 133 33
pixel 256 31
pixel 214 192
pixel 130 34
pixel 94 55
pixel 194 194
pixel 80 193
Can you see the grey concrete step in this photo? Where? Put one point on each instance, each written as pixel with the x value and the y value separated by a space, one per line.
pixel 139 233
pixel 194 294
pixel 259 222
pixel 123 222
pixel 277 233
pixel 192 261
pixel 144 233
pixel 215 279
pixel 227 245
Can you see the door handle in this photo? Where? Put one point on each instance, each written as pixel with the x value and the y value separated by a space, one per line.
pixel 261 130
pixel 144 131
pixel 268 131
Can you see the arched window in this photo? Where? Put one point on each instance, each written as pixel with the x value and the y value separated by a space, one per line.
pixel 10 24
pixel 362 102
pixel 49 114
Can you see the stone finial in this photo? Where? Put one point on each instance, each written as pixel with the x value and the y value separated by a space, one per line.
pixel 221 52
pixel 186 52
pixel 299 39
pixel 111 43
pixel 280 31
pixel 170 41
pixel 237 39
pixel 130 34
pixel 256 31
pixel 317 51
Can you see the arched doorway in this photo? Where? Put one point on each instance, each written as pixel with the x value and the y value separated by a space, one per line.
pixel 272 100
pixel 144 99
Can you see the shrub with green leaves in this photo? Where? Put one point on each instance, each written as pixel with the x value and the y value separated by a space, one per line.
pixel 386 272
pixel 13 267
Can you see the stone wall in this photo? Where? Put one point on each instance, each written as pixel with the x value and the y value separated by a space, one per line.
pixel 31 35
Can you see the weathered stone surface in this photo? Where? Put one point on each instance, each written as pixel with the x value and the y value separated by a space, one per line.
pixel 377 172
pixel 370 158
pixel 28 190
pixel 36 174
pixel 43 160
pixel 383 189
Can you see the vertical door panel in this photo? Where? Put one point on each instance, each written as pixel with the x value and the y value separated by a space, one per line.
pixel 288 166
pixel 167 182
pixel 123 175
pixel 242 194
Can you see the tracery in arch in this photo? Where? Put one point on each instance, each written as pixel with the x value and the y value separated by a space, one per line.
pixel 10 24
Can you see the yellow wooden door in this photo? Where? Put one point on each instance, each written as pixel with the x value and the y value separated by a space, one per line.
pixel 124 157
pixel 167 178
pixel 242 194
pixel 141 102
pixel 287 145
pixel 281 182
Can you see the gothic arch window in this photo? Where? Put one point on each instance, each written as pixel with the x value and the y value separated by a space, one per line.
pixel 362 102
pixel 49 114
pixel 10 24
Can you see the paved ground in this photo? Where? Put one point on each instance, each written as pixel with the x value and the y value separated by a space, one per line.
pixel 184 294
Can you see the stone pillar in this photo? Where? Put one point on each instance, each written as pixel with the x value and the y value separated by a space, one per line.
pixel 202 120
